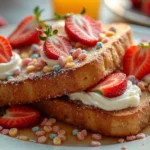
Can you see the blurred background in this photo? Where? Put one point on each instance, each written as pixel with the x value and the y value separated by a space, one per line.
pixel 12 11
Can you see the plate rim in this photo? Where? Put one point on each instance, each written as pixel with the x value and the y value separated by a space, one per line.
pixel 127 14
pixel 143 144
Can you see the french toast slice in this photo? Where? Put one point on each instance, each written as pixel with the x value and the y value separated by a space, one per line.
pixel 120 123
pixel 99 63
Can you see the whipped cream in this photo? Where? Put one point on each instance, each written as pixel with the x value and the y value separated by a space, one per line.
pixel 130 98
pixel 147 78
pixel 9 68
pixel 60 27
pixel 50 62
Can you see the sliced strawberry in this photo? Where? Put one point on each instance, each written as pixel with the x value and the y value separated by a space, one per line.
pixel 19 117
pixel 112 86
pixel 56 46
pixel 137 61
pixel 5 50
pixel 83 29
pixel 25 33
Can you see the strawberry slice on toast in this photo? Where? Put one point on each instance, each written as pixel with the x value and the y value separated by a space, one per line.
pixel 5 50
pixel 137 60
pixel 112 86
pixel 26 33
pixel 55 45
pixel 81 28
pixel 19 117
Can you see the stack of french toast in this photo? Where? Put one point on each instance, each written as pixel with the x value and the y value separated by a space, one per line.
pixel 79 71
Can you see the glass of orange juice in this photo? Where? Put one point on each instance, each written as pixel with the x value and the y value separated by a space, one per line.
pixel 75 6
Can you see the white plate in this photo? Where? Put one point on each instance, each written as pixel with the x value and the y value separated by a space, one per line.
pixel 123 9
pixel 7 143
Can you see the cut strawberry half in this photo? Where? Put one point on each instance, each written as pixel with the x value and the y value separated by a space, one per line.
pixel 112 86
pixel 25 33
pixel 83 29
pixel 19 117
pixel 5 50
pixel 137 60
pixel 56 46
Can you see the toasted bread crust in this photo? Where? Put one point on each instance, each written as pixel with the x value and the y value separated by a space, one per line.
pixel 84 75
pixel 111 123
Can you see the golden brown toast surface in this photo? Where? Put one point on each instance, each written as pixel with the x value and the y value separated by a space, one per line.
pixel 111 123
pixel 98 64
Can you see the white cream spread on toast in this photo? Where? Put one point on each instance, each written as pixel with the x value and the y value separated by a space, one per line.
pixel 130 98
pixel 50 62
pixel 8 68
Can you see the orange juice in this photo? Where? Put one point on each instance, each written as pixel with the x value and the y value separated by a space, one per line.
pixel 75 6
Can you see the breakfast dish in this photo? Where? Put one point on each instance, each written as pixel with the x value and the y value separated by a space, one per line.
pixel 76 75
pixel 77 71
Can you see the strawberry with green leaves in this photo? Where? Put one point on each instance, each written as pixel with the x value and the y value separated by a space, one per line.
pixel 137 60
pixel 55 45
pixel 26 33
pixel 81 28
